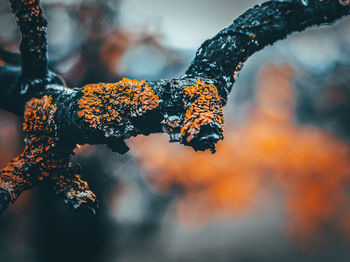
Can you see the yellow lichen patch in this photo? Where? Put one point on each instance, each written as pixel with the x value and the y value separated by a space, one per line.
pixel 104 103
pixel 204 107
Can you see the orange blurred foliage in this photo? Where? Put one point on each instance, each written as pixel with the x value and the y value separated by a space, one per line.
pixel 310 166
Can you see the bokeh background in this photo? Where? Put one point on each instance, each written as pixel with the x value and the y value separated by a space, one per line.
pixel 276 190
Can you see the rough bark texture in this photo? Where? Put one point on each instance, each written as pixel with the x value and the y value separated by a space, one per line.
pixel 189 109
pixel 32 24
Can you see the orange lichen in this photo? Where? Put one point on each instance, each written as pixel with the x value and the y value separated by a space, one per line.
pixel 204 107
pixel 72 188
pixel 237 69
pixel 41 161
pixel 104 104
pixel 31 7
pixel 39 119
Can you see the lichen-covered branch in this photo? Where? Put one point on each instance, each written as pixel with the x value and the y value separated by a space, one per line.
pixel 189 109
pixel 221 57
pixel 69 186
pixel 43 160
pixel 27 169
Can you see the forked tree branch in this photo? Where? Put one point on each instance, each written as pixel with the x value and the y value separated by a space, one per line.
pixel 189 109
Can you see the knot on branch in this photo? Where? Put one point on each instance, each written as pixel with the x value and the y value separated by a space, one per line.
pixel 204 119
pixel 111 107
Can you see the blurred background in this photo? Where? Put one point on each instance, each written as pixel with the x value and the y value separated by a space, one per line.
pixel 278 188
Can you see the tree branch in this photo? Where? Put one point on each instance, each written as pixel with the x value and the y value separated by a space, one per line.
pixel 189 109
pixel 221 57
pixel 33 24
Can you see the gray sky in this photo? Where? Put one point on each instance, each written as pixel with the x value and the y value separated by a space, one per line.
pixel 183 23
